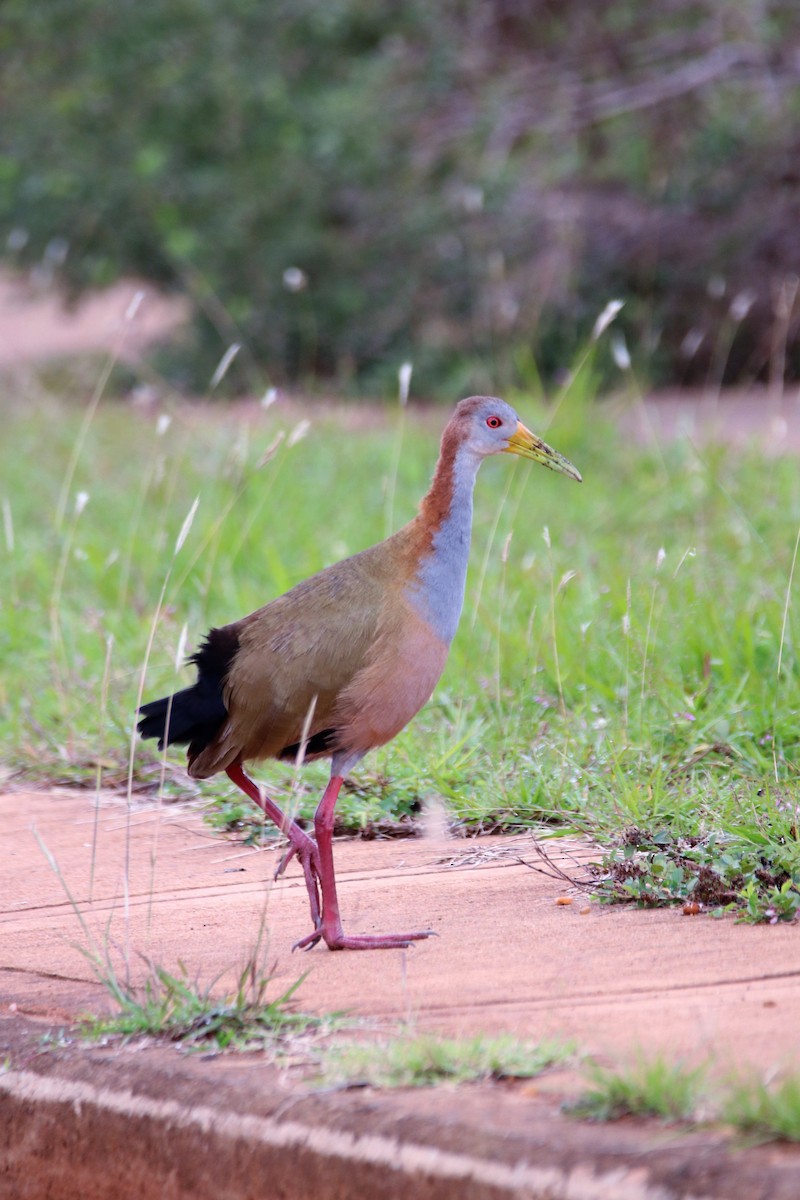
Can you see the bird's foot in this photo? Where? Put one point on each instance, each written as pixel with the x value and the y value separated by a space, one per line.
pixel 301 845
pixel 336 939
pixel 307 852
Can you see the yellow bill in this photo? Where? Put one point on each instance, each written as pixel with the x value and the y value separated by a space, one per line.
pixel 528 445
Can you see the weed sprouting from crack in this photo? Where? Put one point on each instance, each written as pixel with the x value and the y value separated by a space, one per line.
pixel 170 1005
pixel 173 1006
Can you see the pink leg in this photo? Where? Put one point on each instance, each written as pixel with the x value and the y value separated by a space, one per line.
pixel 331 927
pixel 299 841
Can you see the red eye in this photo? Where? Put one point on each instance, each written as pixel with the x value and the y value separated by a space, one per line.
pixel 493 422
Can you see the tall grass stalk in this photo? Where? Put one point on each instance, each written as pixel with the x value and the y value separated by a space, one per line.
pixel 100 752
pixel 403 387
pixel 181 538
pixel 56 629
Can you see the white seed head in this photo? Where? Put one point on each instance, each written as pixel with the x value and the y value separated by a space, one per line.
pixel 180 649
pixel 299 432
pixel 186 526
pixel 619 351
pixel 224 364
pixel 294 280
pixel 404 380
pixel 606 317
pixel 134 305
pixel 742 303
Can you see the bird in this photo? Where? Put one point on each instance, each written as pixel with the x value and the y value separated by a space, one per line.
pixel 340 663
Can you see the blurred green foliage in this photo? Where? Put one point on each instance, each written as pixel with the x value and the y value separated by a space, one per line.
pixel 342 186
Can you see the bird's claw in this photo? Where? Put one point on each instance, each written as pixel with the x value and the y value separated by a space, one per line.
pixel 283 864
pixel 305 849
pixel 308 942
pixel 301 846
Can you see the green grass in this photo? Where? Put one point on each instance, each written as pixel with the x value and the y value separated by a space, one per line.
pixel 425 1059
pixel 670 1091
pixel 648 1088
pixel 627 655
pixel 766 1112
pixel 172 1006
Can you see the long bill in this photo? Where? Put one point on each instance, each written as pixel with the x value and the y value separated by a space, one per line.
pixel 528 445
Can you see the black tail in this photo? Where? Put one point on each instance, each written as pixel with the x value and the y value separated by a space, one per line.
pixel 195 714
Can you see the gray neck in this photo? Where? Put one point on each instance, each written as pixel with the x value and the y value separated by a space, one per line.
pixel 437 591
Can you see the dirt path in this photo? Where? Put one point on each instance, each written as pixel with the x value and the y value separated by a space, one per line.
pixel 126 318
pixel 743 417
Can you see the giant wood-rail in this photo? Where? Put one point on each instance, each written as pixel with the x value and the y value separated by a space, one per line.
pixel 343 661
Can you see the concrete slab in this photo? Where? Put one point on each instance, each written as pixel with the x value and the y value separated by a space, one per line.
pixel 508 958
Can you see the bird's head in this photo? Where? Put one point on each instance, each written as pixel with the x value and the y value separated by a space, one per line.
pixel 490 426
